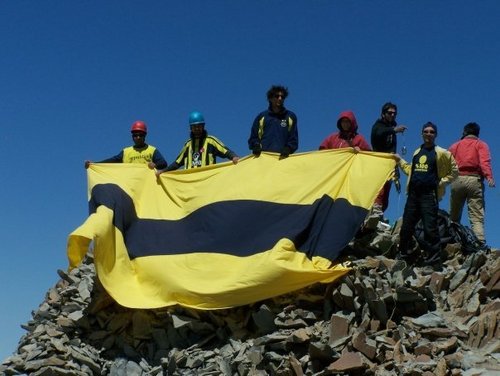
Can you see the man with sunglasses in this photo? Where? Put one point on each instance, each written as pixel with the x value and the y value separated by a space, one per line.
pixel 430 170
pixel 275 129
pixel 140 152
pixel 383 139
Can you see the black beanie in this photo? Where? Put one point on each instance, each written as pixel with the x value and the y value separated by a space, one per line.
pixel 432 125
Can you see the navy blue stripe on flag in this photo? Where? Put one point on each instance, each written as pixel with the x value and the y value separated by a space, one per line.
pixel 239 228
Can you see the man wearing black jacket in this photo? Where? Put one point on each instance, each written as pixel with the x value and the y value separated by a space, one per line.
pixel 383 139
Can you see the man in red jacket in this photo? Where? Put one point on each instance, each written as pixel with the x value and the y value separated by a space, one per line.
pixel 474 165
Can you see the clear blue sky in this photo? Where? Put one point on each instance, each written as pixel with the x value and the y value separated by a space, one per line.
pixel 74 75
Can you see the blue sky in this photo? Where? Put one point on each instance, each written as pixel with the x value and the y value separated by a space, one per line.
pixel 75 75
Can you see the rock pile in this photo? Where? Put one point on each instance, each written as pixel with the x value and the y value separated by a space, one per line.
pixel 384 318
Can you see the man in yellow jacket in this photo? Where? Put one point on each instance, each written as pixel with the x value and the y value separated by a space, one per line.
pixel 431 169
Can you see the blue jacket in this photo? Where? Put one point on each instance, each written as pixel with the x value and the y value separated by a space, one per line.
pixel 275 131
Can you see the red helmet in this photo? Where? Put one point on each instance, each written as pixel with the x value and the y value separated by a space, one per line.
pixel 139 126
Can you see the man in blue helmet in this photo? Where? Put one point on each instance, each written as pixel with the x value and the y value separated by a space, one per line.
pixel 275 129
pixel 201 149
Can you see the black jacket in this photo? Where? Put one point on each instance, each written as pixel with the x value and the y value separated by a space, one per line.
pixel 383 137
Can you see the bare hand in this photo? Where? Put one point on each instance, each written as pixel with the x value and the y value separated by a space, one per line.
pixel 151 165
pixel 491 183
pixel 235 160
pixel 400 128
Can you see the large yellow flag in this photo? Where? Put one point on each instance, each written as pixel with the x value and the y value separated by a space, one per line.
pixel 225 235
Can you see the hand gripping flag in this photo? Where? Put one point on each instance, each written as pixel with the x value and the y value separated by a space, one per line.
pixel 225 235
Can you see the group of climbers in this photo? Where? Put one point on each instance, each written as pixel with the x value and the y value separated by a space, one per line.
pixel 274 130
pixel 467 163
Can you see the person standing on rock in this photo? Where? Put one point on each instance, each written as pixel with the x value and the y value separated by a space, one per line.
pixel 430 170
pixel 275 129
pixel 384 139
pixel 474 166
pixel 140 152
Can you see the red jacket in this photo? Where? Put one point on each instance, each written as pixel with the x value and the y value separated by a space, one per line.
pixel 344 139
pixel 472 156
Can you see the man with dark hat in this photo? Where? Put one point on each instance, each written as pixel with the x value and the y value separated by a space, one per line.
pixel 430 170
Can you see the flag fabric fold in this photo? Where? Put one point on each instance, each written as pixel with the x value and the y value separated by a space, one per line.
pixel 225 235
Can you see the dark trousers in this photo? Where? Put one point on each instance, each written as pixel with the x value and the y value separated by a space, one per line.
pixel 424 206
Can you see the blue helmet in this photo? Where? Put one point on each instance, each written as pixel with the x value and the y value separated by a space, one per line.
pixel 196 117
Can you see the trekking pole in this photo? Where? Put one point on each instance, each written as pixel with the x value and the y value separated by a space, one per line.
pixel 399 204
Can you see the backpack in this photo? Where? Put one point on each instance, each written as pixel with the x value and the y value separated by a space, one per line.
pixel 465 236
pixel 446 233
pixel 450 233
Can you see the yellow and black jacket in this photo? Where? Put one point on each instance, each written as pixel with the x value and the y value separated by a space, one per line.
pixel 201 152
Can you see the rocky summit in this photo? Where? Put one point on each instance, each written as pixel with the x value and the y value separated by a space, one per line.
pixel 383 318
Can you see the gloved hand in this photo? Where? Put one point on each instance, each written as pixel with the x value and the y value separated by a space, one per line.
pixel 257 149
pixel 285 152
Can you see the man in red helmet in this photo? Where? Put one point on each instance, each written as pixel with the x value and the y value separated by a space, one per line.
pixel 140 152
